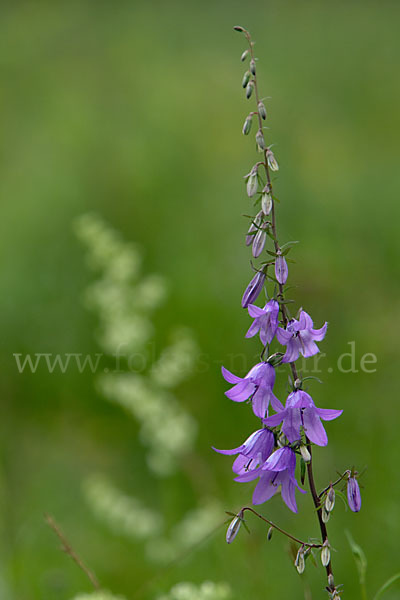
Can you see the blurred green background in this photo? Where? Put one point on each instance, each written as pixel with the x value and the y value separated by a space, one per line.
pixel 134 110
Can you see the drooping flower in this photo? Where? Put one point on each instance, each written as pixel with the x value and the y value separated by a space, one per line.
pixel 253 452
pixel 353 494
pixel 253 289
pixel 281 269
pixel 301 412
pixel 257 385
pixel 265 321
pixel 300 337
pixel 278 470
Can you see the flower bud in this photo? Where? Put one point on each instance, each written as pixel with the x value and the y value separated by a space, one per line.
pixel 246 79
pixel 281 269
pixel 253 66
pixel 259 242
pixel 273 165
pixel 331 581
pixel 261 110
pixel 244 55
pixel 260 139
pixel 270 532
pixel 266 203
pixel 330 499
pixel 247 125
pixel 249 89
pixel 253 289
pixel 306 456
pixel 353 494
pixel 233 529
pixel 325 515
pixel 325 554
pixel 252 183
pixel 300 563
pixel 253 227
pixel 238 28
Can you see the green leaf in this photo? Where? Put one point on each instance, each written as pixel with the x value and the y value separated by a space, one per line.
pixel 287 247
pixel 386 585
pixel 359 557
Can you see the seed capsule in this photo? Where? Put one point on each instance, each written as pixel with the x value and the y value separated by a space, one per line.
pixel 249 89
pixel 325 554
pixel 247 125
pixel 244 55
pixel 246 79
pixel 269 534
pixel 260 139
pixel 262 111
pixel 253 66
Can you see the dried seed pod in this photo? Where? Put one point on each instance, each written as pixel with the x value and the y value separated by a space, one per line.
pixel 244 55
pixel 270 532
pixel 233 529
pixel 249 89
pixel 253 66
pixel 260 139
pixel 325 554
pixel 325 515
pixel 246 79
pixel 247 125
pixel 266 203
pixel 272 163
pixel 300 562
pixel 330 499
pixel 306 456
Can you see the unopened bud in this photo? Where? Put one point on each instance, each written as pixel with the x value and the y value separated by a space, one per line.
pixel 252 183
pixel 244 55
pixel 331 581
pixel 247 125
pixel 272 163
pixel 233 529
pixel 260 139
pixel 325 554
pixel 330 499
pixel 266 203
pixel 253 228
pixel 297 384
pixel 238 28
pixel 269 534
pixel 253 66
pixel 305 454
pixel 300 563
pixel 249 89
pixel 246 78
pixel 261 110
pixel 325 515
pixel 259 242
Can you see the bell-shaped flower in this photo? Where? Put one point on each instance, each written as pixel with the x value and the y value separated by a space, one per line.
pixel 278 470
pixel 353 494
pixel 256 385
pixel 301 412
pixel 253 452
pixel 265 321
pixel 299 337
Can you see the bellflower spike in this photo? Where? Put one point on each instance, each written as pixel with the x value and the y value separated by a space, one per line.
pixel 300 411
pixel 278 470
pixel 265 321
pixel 300 338
pixel 253 289
pixel 353 494
pixel 253 452
pixel 257 385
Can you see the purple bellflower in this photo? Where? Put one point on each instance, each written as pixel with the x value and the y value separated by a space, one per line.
pixel 253 452
pixel 265 321
pixel 253 289
pixel 300 338
pixel 300 411
pixel 353 494
pixel 278 470
pixel 257 385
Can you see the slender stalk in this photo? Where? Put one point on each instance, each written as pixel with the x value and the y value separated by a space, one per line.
pixel 289 535
pixel 285 320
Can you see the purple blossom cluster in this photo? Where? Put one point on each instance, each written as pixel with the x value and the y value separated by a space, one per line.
pixel 269 454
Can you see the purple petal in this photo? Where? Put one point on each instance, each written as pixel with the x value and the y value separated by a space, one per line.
pixel 313 427
pixel 281 269
pixel 274 420
pixel 253 329
pixel 288 493
pixel 353 494
pixel 283 336
pixel 229 452
pixel 292 351
pixel 292 423
pixel 319 334
pixel 241 391
pixel 265 489
pixel 261 402
pixel 328 414
pixel 255 311
pixel 230 377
